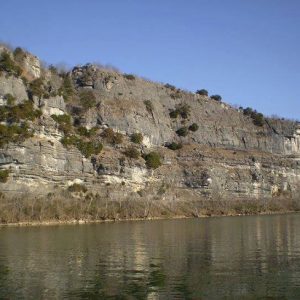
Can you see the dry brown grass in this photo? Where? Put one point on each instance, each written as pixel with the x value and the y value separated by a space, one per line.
pixel 93 207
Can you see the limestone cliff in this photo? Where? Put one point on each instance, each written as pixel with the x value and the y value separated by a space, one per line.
pixel 225 154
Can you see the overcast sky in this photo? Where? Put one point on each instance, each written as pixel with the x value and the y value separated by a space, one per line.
pixel 245 50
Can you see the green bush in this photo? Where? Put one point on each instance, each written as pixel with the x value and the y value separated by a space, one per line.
pixel 87 148
pixel 22 111
pixel 137 138
pixel 248 111
pixel 19 54
pixel 174 146
pixel 64 122
pixel 132 152
pixel 174 114
pixel 83 131
pixel 36 87
pixel 112 137
pixel 69 140
pixel 86 132
pixel 14 133
pixel 152 160
pixel 194 127
pixel 183 131
pixel 183 110
pixel 216 97
pixel 62 118
pixel 53 70
pixel 87 99
pixel 67 89
pixel 77 188
pixel 3 113
pixel 18 51
pixel 4 175
pixel 8 65
pixel 257 118
pixel 17 129
pixel 170 86
pixel 10 99
pixel 129 76
pixel 202 92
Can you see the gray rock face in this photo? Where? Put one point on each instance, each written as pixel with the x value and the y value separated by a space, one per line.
pixel 122 106
pixel 53 106
pixel 5 159
pixel 32 66
pixel 39 164
pixel 14 86
pixel 227 156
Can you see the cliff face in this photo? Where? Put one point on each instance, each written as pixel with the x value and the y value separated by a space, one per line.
pixel 227 156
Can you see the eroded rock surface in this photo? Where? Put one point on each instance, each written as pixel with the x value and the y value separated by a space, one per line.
pixel 228 156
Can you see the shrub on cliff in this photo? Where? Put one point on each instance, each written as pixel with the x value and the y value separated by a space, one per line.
pixel 87 99
pixel 216 98
pixel 62 118
pixel 67 89
pixel 69 140
pixel 4 175
pixel 16 128
pixel 132 152
pixel 194 127
pixel 152 160
pixel 23 111
pixel 112 137
pixel 174 114
pixel 14 133
pixel 247 111
pixel 64 122
pixel 170 86
pixel 8 65
pixel 183 110
pixel 19 54
pixel 89 148
pixel 257 118
pixel 202 92
pixel 183 131
pixel 129 76
pixel 77 188
pixel 36 87
pixel 174 146
pixel 137 138
pixel 53 70
pixel 10 99
pixel 87 132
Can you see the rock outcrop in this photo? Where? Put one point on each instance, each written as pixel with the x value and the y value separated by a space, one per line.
pixel 227 156
pixel 14 86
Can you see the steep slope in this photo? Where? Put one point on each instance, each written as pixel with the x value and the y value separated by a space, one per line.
pixel 82 126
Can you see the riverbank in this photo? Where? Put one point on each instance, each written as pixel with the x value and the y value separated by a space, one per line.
pixel 45 212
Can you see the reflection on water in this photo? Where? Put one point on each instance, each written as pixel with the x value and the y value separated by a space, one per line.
pixel 230 257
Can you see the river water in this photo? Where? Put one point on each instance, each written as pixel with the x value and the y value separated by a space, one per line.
pixel 211 258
